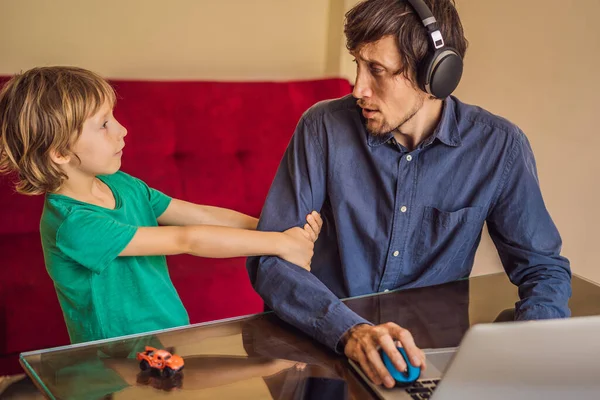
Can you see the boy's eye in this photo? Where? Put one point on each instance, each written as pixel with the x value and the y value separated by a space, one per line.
pixel 104 124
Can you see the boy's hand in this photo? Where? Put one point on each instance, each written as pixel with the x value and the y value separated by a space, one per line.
pixel 297 247
pixel 313 225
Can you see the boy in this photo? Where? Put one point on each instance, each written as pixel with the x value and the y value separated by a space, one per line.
pixel 102 244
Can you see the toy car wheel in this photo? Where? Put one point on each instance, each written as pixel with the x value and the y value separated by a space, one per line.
pixel 144 365
pixel 168 372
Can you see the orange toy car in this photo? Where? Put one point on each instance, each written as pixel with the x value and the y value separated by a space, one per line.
pixel 160 360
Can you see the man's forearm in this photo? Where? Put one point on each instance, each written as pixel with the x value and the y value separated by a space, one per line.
pixel 300 299
pixel 544 294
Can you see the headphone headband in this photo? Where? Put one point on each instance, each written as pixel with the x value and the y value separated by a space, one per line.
pixel 429 22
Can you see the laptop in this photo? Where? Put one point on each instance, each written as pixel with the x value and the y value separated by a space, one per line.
pixel 550 359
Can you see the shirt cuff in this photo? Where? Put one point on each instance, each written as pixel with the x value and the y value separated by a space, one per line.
pixel 539 311
pixel 331 329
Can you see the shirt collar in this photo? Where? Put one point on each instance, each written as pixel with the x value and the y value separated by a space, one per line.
pixel 446 131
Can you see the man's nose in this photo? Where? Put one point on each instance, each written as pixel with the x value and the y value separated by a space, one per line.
pixel 361 87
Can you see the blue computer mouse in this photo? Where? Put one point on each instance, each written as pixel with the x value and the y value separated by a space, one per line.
pixel 401 378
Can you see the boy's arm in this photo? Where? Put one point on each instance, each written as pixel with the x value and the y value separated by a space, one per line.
pixel 295 244
pixel 183 213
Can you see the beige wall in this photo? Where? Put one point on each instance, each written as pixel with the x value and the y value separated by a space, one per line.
pixel 176 39
pixel 535 62
pixel 532 62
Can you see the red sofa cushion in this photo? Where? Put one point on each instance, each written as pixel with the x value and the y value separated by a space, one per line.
pixel 214 143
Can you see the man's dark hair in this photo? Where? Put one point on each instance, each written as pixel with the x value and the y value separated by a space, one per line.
pixel 371 20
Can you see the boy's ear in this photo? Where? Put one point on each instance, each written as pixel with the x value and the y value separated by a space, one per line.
pixel 58 158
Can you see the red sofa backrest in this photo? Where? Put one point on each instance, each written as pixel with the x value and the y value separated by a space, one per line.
pixel 214 143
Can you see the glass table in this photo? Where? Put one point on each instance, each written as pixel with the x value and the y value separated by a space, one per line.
pixel 261 357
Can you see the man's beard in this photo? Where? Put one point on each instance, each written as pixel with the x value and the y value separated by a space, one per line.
pixel 386 128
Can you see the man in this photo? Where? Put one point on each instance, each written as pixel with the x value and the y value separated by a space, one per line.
pixel 404 182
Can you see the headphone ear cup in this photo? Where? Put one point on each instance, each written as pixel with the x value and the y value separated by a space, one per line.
pixel 442 71
pixel 424 71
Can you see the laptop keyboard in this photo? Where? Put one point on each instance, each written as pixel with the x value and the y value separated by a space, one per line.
pixel 422 389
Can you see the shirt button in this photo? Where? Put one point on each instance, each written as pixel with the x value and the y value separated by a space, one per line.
pixel 403 209
pixel 409 158
pixel 396 253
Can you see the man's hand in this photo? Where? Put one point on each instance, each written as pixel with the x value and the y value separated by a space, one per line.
pixel 313 225
pixel 362 343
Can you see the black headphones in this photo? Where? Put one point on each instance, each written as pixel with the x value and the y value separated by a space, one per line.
pixel 441 70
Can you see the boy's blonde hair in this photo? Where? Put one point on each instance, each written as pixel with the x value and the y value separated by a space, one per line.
pixel 43 110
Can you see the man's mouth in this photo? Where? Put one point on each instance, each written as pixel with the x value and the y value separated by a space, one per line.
pixel 368 112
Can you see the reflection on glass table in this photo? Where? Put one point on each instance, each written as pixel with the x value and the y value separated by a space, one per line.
pixel 262 357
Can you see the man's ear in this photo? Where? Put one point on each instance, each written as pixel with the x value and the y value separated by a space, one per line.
pixel 58 158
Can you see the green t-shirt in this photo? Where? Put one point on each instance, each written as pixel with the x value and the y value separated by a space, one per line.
pixel 103 295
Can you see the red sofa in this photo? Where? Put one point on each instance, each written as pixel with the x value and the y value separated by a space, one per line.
pixel 216 143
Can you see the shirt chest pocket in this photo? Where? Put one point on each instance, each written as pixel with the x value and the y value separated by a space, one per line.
pixel 444 234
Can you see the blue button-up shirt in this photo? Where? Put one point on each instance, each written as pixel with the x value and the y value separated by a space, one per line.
pixel 398 219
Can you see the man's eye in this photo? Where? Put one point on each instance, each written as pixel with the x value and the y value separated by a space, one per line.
pixel 376 69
